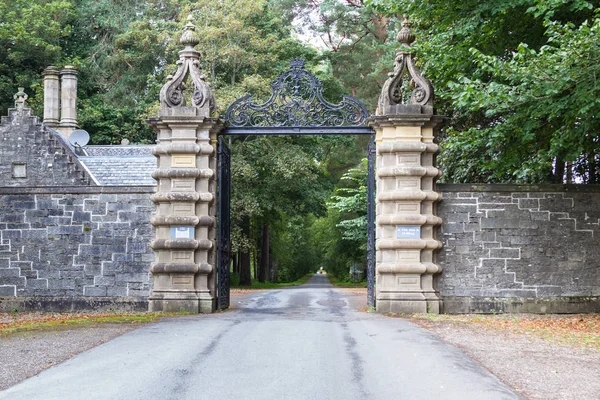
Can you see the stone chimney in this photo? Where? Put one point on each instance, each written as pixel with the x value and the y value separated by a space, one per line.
pixel 68 100
pixel 60 99
pixel 51 97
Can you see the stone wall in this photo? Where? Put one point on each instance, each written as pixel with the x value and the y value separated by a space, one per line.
pixel 65 248
pixel 32 154
pixel 506 248
pixel 510 248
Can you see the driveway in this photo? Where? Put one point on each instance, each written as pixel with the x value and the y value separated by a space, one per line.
pixel 295 343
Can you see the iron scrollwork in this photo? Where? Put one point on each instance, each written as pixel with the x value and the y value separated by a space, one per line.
pixel 296 101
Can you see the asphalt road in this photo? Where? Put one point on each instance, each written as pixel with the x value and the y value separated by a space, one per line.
pixel 297 343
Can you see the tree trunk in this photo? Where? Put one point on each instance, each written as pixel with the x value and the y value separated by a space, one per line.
pixel 264 273
pixel 244 261
pixel 245 279
pixel 559 169
pixel 275 270
pixel 594 173
pixel 255 250
pixel 236 264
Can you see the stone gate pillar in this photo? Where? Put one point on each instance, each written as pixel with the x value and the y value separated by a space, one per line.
pixel 184 271
pixel 406 195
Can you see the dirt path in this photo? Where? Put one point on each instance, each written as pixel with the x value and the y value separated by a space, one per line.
pixel 26 354
pixel 532 366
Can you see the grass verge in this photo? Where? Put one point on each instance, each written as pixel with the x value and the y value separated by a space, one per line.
pixel 337 282
pixel 576 329
pixel 21 322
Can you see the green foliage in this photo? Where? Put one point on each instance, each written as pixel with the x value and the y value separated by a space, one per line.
pixel 342 234
pixel 544 101
pixel 31 38
pixel 350 201
pixel 520 93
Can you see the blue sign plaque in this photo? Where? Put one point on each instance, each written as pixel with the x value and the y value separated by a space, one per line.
pixel 408 232
pixel 182 232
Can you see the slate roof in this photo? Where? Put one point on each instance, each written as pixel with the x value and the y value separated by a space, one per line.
pixel 120 165
pixel 127 151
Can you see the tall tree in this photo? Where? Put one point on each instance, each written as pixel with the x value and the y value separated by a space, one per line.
pixel 32 35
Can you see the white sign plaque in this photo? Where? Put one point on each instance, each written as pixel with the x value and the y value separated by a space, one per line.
pixel 408 232
pixel 182 232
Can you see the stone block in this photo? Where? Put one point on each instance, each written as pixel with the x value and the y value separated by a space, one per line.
pixel 11 234
pixel 65 230
pixel 34 234
pixel 10 272
pixel 116 248
pixel 104 280
pixel 137 246
pixel 462 249
pixel 35 214
pixel 472 227
pixel 485 236
pixel 121 206
pixel 93 250
pixel 8 290
pixel 95 291
pixel 505 253
pixel 449 203
pixel 498 198
pixel 453 228
pixel 12 218
pixel 44 204
pixel 71 274
pixel 530 204
pixel 114 291
pixel 460 208
pixel 80 217
pixel 61 284
pixel 498 223
pixel 131 217
pixel 92 269
pixel 36 284
pixel 491 245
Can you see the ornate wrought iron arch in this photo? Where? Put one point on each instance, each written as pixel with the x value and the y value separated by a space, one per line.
pixel 297 106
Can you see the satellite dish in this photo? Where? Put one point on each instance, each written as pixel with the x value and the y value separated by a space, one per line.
pixel 79 138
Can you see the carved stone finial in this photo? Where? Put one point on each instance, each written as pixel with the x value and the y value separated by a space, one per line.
pixel 406 36
pixel 20 99
pixel 189 37
pixel 173 93
pixel 406 91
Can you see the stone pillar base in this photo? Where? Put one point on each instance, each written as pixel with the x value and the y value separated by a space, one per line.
pixel 408 303
pixel 177 303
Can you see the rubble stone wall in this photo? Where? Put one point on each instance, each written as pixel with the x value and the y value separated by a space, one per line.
pixel 520 248
pixel 507 248
pixel 75 247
